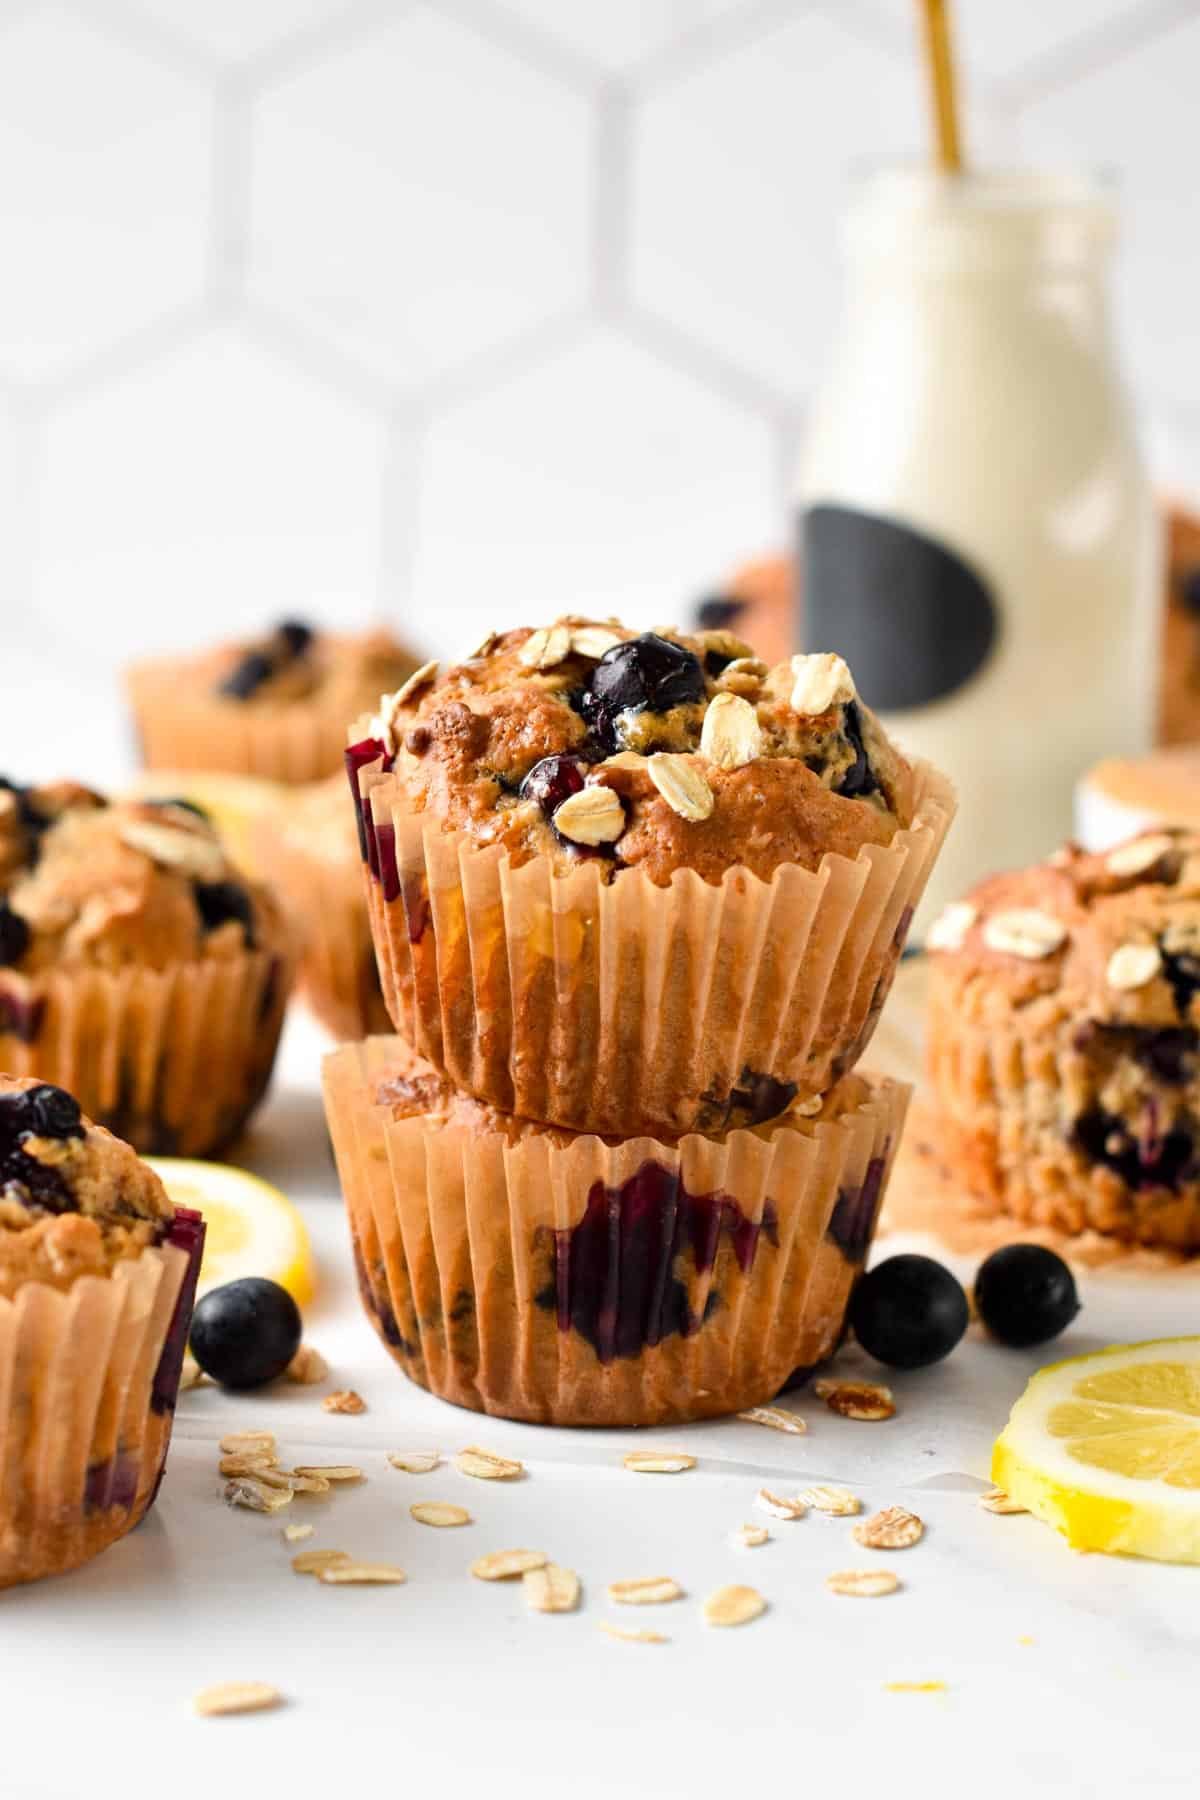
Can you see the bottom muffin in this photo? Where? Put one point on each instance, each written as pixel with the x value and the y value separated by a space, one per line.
pixel 566 1279
pixel 97 1277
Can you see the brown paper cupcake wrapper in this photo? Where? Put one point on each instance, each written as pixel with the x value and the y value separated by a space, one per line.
pixel 632 1008
pixel 173 1061
pixel 301 742
pixel 339 977
pixel 88 1381
pixel 606 1284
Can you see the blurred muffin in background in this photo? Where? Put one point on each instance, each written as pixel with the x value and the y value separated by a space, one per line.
pixel 1179 713
pixel 760 603
pixel 308 848
pixel 1126 794
pixel 275 706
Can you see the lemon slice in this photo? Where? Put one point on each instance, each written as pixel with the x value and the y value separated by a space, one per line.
pixel 234 803
pixel 1106 1448
pixel 252 1229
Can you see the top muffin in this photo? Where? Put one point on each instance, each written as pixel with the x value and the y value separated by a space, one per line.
pixel 658 751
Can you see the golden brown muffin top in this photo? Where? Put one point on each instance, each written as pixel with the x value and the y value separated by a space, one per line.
pixel 411 1089
pixel 660 750
pixel 292 663
pixel 1117 934
pixel 87 882
pixel 74 1200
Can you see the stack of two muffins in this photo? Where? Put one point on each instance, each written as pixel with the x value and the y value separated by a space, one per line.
pixel 637 902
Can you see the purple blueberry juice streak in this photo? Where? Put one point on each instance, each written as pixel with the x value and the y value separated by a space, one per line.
pixel 113 1482
pixel 20 1015
pixel 359 756
pixel 185 1233
pixel 852 1221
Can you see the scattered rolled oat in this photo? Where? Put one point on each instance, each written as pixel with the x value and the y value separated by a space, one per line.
pixel 860 1400
pixel 248 1442
pixel 659 1462
pixel 247 1463
pixel 645 1590
pixel 361 1574
pixel 296 1534
pixel 307 1367
pixel 328 1472
pixel 821 681
pixel 863 1584
pixel 894 1528
pixel 309 1484
pixel 777 1418
pixel 1131 966
pixel 440 1513
pixel 751 1536
pixel 838 1502
pixel 780 1506
pixel 949 930
pixel 997 1501
pixel 273 1477
pixel 594 641
pixel 551 1589
pixel 485 1465
pixel 627 1635
pixel 502 1565
pixel 1024 932
pixel 731 735
pixel 414 1462
pixel 682 787
pixel 345 1400
pixel 249 1491
pixel 734 1606
pixel 594 815
pixel 1139 855
pixel 544 648
pixel 311 1562
pixel 235 1697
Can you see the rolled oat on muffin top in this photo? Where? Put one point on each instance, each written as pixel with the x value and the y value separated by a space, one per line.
pixel 660 751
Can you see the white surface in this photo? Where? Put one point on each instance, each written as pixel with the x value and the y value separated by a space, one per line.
pixel 446 1686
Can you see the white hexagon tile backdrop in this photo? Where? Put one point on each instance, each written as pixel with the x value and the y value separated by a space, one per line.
pixel 463 310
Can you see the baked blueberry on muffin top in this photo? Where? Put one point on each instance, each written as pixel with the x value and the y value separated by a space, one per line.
pixel 293 662
pixel 656 750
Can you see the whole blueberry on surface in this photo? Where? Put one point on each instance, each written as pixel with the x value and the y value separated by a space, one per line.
pixel 1025 1295
pixel 553 780
pixel 246 1333
pixel 51 1112
pixel 647 673
pixel 908 1311
pixel 247 677
pixel 295 635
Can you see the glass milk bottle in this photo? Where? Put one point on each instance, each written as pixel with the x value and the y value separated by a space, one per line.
pixel 976 531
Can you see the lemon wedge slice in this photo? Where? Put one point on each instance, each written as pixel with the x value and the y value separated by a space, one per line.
pixel 252 1229
pixel 1106 1448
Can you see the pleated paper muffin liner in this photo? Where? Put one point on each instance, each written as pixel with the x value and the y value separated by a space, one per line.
pixel 88 1382
pixel 632 1008
pixel 566 1280
pixel 339 977
pixel 173 1061
pixel 178 728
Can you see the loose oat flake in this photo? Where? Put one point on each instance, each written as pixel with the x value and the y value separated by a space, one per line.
pixel 328 1472
pixel 628 1635
pixel 997 1501
pixel 242 1462
pixel 503 1565
pixel 645 1590
pixel 235 1697
pixel 307 1367
pixel 659 1462
pixel 863 1584
pixel 551 1589
pixel 414 1462
pixel 777 1418
pixel 345 1400
pixel 311 1562
pixel 249 1491
pixel 248 1442
pixel 440 1513
pixel 892 1529
pixel 838 1502
pixel 780 1506
pixel 296 1534
pixel 734 1606
pixel 860 1400
pixel 361 1574
pixel 485 1465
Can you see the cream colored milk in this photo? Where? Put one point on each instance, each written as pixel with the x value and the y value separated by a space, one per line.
pixel 1008 627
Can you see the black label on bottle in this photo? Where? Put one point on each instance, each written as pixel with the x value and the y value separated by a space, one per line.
pixel 912 619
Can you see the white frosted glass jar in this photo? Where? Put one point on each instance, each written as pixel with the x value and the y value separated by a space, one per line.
pixel 977 533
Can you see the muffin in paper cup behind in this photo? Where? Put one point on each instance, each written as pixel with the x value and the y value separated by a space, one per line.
pixel 275 707
pixel 557 1278
pixel 639 940
pixel 307 848
pixel 97 1279
pixel 139 969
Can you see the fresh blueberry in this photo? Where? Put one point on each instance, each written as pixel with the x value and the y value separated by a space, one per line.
pixel 553 780
pixel 1025 1295
pixel 246 1333
pixel 247 677
pixel 908 1311
pixel 219 901
pixel 14 935
pixel 295 634
pixel 647 674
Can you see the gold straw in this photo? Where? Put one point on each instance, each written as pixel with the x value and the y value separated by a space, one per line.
pixel 940 62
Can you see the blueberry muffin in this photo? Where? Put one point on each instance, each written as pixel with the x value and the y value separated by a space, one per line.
pixel 1065 1040
pixel 138 968
pixel 308 849
pixel 276 706
pixel 540 1274
pixel 631 883
pixel 97 1277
